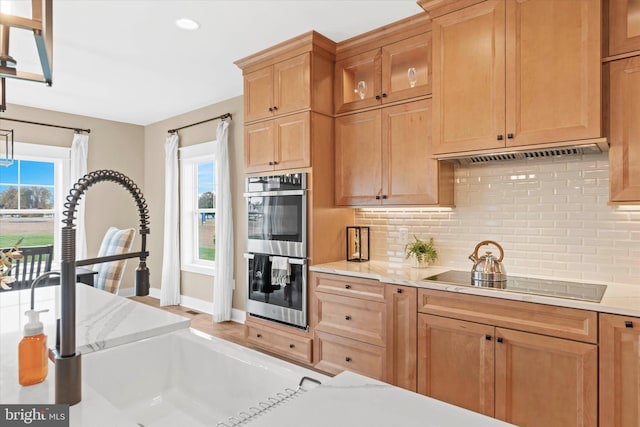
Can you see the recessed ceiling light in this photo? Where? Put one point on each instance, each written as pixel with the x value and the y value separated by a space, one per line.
pixel 187 24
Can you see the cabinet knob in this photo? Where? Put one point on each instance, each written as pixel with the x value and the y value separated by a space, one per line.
pixel 384 196
pixel 378 97
pixel 487 337
pixel 347 286
pixel 291 345
pixel 384 95
pixel 510 135
pixel 399 290
pixel 275 163
pixel 347 317
pixel 377 197
pixel 500 137
pixel 270 163
pixel 628 324
pixel 275 108
pixel 259 335
pixel 499 339
pixel 347 359
pixel 270 108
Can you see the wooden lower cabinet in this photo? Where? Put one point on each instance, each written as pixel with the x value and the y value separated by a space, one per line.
pixel 523 378
pixel 291 344
pixel 402 336
pixel 619 371
pixel 337 354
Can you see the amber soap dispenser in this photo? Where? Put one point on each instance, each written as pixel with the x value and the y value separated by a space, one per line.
pixel 33 364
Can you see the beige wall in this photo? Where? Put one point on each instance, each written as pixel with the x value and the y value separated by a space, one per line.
pixel 112 145
pixel 195 285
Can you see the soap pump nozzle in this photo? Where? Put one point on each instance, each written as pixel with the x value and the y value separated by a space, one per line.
pixel 34 326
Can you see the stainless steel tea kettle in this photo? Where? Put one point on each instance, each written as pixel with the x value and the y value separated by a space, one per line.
pixel 488 270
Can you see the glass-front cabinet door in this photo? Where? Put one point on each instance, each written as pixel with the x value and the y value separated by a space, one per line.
pixel 357 81
pixel 406 71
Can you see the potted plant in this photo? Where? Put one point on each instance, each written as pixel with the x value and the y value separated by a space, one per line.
pixel 423 252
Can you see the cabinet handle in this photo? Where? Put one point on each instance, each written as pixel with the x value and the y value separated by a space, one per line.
pixel 487 337
pixel 399 290
pixel 347 359
pixel 347 317
pixel 377 197
pixel 347 286
pixel 259 335
pixel 275 108
pixel 378 97
pixel 291 345
pixel 384 95
pixel 499 339
pixel 628 324
pixel 500 137
pixel 510 135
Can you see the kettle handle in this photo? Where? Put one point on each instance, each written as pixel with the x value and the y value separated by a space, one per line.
pixel 488 242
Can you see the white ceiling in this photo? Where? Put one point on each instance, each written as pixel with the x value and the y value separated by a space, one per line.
pixel 125 60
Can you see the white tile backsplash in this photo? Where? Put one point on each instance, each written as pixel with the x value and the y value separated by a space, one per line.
pixel 550 215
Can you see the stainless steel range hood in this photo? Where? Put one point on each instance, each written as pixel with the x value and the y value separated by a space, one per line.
pixel 569 148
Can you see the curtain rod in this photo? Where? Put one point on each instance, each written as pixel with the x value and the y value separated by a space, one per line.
pixel 46 124
pixel 221 117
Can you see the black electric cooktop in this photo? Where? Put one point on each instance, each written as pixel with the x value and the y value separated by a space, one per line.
pixel 552 288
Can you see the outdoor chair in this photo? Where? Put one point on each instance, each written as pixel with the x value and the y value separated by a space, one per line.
pixel 35 261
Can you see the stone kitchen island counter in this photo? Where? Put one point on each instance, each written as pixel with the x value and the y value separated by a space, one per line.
pixel 618 298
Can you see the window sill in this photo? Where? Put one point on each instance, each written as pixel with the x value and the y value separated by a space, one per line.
pixel 200 269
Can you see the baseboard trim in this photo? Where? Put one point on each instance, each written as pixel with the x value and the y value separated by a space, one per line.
pixel 237 316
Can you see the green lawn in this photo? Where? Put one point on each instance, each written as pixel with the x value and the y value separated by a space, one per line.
pixel 8 240
pixel 208 254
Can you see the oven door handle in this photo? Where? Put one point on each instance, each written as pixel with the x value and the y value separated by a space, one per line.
pixel 276 193
pixel 296 261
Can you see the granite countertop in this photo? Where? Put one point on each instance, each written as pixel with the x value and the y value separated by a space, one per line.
pixel 618 298
pixel 103 320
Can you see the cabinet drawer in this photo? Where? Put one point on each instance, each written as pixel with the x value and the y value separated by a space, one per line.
pixel 571 323
pixel 288 345
pixel 349 286
pixel 352 318
pixel 337 354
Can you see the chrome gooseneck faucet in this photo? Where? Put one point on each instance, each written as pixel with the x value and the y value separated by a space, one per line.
pixel 68 368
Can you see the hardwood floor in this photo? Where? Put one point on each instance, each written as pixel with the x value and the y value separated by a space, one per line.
pixel 230 331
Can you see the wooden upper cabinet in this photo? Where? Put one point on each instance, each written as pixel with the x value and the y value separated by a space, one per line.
pixel 383 157
pixel 624 130
pixel 469 78
pixel 553 71
pixel 278 89
pixel 383 75
pixel 278 144
pixel 515 73
pixel 624 26
pixel 619 371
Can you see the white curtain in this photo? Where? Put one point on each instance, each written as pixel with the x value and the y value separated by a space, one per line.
pixel 170 284
pixel 224 283
pixel 78 169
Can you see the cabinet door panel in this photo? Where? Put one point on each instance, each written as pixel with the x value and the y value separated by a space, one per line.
pixel 619 371
pixel 291 84
pixel 402 336
pixel 469 78
pixel 293 141
pixel 337 354
pixel 553 71
pixel 258 147
pixel 456 362
pixel 363 69
pixel 258 94
pixel 397 58
pixel 624 26
pixel 624 130
pixel 545 381
pixel 358 158
pixel 409 173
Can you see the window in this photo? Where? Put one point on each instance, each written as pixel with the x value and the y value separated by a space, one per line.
pixel 197 208
pixel 32 192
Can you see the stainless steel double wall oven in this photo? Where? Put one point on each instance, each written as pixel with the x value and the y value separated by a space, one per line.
pixel 277 247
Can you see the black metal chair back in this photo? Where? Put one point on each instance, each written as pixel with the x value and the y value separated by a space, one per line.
pixel 35 261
